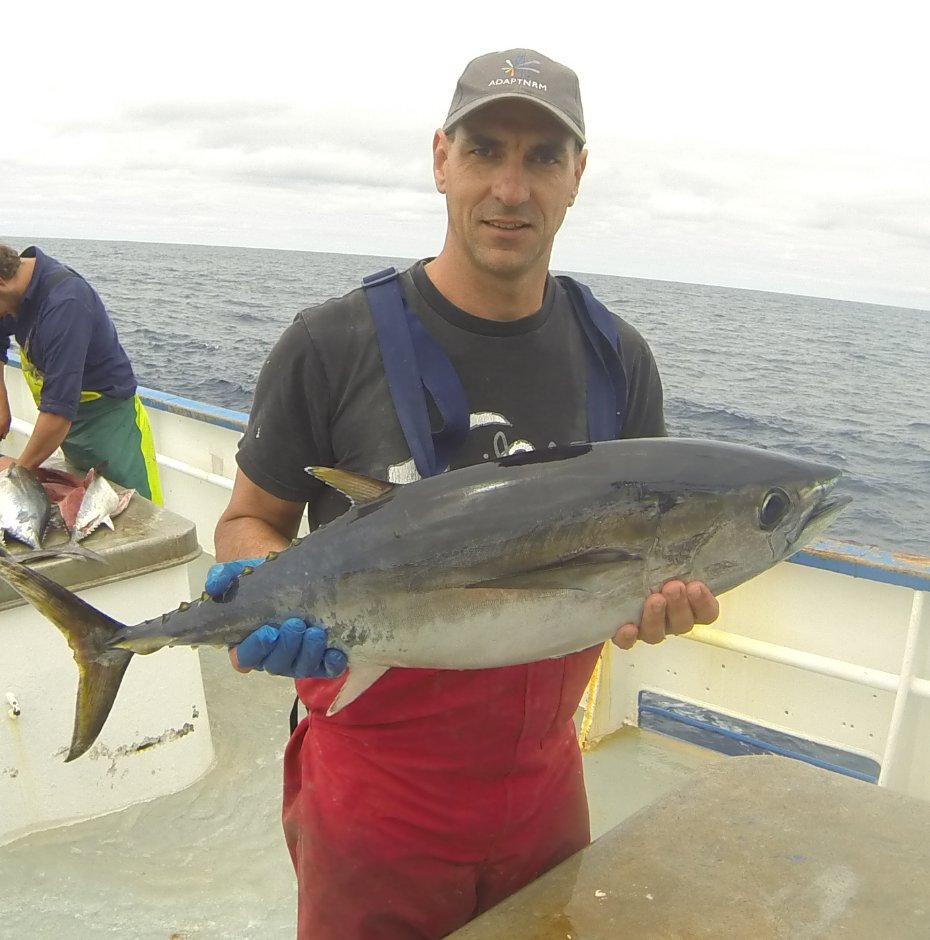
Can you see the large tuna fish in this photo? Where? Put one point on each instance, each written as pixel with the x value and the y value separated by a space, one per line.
pixel 510 561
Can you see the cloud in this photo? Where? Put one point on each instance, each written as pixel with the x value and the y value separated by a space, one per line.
pixel 251 143
pixel 726 146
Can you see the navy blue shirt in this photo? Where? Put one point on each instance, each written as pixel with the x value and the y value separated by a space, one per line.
pixel 68 336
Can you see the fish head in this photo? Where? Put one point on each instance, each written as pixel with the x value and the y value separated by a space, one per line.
pixel 727 512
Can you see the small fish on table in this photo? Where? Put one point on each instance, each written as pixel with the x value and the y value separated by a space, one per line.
pixel 33 501
pixel 85 503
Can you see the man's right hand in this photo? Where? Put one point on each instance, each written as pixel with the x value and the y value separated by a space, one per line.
pixel 295 648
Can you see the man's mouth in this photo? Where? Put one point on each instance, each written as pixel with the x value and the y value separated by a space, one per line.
pixel 506 226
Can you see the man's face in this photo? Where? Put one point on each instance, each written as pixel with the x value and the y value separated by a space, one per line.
pixel 9 298
pixel 509 173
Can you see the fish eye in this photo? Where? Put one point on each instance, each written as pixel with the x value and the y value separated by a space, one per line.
pixel 775 505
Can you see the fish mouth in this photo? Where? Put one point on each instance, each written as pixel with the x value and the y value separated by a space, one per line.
pixel 826 509
pixel 826 506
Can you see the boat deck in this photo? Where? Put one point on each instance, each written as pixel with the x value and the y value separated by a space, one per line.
pixel 760 846
pixel 210 862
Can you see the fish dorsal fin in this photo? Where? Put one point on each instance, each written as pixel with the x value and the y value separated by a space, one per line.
pixel 586 571
pixel 358 488
pixel 358 680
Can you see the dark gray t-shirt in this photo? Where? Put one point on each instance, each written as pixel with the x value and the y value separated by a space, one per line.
pixel 322 397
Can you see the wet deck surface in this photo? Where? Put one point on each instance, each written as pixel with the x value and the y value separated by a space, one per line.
pixel 760 847
pixel 209 863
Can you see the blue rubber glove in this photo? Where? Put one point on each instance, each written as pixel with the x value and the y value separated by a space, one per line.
pixel 221 577
pixel 295 649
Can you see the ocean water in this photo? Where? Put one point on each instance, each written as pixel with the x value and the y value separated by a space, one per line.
pixel 846 383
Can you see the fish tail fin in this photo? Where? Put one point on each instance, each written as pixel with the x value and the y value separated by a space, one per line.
pixel 89 633
pixel 100 680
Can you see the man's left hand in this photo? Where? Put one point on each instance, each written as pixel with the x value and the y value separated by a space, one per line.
pixel 670 612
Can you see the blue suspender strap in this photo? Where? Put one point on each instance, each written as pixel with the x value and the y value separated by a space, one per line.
pixel 414 361
pixel 442 382
pixel 400 367
pixel 607 386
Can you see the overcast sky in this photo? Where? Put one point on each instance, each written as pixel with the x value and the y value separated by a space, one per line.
pixel 779 146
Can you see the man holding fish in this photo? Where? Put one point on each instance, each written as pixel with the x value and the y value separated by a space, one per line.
pixel 440 792
pixel 79 374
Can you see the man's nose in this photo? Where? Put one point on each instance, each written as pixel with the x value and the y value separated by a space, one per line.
pixel 511 186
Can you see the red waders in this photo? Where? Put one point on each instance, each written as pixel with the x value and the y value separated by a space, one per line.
pixel 433 796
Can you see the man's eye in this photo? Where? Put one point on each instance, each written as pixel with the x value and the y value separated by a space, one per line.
pixel 547 157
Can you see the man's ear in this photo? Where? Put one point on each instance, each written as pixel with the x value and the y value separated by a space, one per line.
pixel 581 161
pixel 441 147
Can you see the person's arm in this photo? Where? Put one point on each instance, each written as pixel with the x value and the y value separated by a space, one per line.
pixel 252 525
pixel 255 522
pixel 6 416
pixel 47 435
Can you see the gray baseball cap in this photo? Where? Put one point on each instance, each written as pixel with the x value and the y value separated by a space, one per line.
pixel 519 73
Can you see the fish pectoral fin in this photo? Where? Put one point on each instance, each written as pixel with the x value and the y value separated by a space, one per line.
pixel 358 488
pixel 358 679
pixel 587 571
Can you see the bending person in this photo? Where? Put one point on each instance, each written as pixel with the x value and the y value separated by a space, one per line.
pixel 79 374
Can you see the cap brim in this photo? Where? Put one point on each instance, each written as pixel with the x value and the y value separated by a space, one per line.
pixel 472 106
